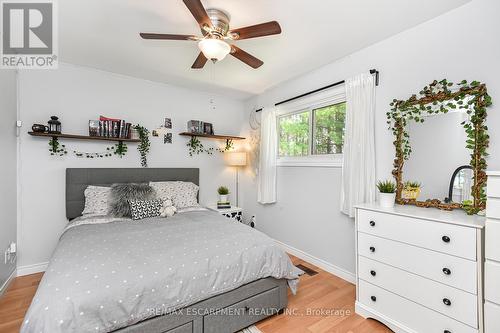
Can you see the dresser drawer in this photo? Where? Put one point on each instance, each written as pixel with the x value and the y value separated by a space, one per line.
pixel 493 208
pixel 493 188
pixel 409 314
pixel 431 294
pixel 426 263
pixel 446 238
pixel 492 240
pixel 492 281
pixel 491 318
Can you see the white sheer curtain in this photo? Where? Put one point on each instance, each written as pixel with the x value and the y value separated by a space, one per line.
pixel 266 186
pixel 358 168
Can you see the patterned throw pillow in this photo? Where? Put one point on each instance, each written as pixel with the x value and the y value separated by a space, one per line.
pixel 183 194
pixel 141 209
pixel 96 200
pixel 122 193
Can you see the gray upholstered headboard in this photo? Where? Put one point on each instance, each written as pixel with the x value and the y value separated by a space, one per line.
pixel 77 181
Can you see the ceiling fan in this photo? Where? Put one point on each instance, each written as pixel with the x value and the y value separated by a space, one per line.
pixel 214 24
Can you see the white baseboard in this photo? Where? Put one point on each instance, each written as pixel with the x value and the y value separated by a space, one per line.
pixel 324 265
pixel 6 284
pixel 32 269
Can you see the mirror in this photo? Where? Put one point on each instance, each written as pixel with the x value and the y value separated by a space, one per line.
pixel 436 131
pixel 438 149
pixel 460 185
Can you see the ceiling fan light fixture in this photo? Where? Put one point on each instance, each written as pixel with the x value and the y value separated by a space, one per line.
pixel 214 49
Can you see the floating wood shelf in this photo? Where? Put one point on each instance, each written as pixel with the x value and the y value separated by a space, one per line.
pixel 213 136
pixel 81 137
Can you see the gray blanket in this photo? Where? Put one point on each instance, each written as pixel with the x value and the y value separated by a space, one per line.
pixel 110 275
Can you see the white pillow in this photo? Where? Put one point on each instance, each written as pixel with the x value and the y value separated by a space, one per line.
pixel 96 200
pixel 182 194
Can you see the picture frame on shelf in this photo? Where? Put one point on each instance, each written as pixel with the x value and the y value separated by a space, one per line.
pixel 208 129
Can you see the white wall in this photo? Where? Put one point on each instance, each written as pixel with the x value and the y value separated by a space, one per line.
pixel 461 44
pixel 8 147
pixel 77 94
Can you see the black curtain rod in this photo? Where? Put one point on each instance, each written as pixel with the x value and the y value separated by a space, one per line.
pixel 372 71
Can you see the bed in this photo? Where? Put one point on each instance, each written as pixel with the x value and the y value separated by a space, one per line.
pixel 194 272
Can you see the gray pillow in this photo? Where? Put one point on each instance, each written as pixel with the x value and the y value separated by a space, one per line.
pixel 121 194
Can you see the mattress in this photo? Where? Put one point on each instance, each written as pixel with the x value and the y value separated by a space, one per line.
pixel 106 274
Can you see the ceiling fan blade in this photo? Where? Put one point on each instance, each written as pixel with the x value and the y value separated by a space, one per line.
pixel 199 62
pixel 259 30
pixel 247 58
pixel 200 14
pixel 146 35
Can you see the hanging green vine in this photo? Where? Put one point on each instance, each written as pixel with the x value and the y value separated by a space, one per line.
pixel 120 149
pixel 441 97
pixel 229 146
pixel 144 145
pixel 196 147
pixel 56 148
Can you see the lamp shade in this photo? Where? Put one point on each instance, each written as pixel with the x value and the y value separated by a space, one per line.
pixel 236 159
pixel 214 49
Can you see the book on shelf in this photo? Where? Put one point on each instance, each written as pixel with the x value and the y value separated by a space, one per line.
pixel 110 128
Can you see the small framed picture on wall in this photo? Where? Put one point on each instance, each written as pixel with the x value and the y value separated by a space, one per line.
pixel 167 138
pixel 168 123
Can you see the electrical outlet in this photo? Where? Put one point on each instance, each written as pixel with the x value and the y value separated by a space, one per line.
pixel 6 256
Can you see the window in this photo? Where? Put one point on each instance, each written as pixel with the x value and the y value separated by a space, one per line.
pixel 312 133
pixel 328 129
pixel 294 134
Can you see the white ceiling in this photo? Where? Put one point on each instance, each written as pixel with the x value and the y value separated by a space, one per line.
pixel 104 34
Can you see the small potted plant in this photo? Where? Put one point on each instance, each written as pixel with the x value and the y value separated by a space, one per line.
pixel 387 190
pixel 411 190
pixel 223 193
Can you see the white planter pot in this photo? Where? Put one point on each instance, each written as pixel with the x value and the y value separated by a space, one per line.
pixel 387 200
pixel 223 198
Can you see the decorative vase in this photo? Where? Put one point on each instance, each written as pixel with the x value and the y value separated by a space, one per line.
pixel 134 134
pixel 387 200
pixel 223 198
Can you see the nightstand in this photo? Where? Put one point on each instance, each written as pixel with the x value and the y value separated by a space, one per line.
pixel 232 213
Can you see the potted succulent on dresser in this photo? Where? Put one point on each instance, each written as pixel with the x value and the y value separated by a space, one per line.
pixel 223 193
pixel 387 191
pixel 411 190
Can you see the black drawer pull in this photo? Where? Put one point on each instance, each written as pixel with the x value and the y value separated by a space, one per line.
pixel 445 239
pixel 373 273
pixel 373 298
pixel 446 302
pixel 446 331
pixel 372 223
pixel 372 249
pixel 446 271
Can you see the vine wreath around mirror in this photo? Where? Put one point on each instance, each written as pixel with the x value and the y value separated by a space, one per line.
pixel 441 97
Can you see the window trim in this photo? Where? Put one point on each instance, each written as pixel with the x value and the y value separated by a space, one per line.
pixel 336 95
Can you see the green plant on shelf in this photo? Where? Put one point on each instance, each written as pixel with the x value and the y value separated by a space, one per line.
pixel 228 146
pixel 196 147
pixel 144 145
pixel 120 149
pixel 56 148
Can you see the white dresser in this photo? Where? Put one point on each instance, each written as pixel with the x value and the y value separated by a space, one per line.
pixel 420 270
pixel 492 254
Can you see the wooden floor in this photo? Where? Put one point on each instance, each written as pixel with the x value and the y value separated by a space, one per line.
pixel 321 291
